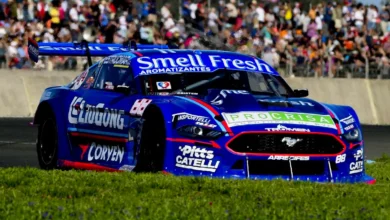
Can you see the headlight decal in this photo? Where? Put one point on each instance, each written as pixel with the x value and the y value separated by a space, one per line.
pixel 195 131
pixel 353 135
pixel 209 109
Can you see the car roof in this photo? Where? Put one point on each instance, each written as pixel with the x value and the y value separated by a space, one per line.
pixel 165 61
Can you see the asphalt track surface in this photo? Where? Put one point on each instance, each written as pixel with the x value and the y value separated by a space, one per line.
pixel 17 142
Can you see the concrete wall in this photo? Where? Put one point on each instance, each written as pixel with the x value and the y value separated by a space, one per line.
pixel 363 95
pixel 20 92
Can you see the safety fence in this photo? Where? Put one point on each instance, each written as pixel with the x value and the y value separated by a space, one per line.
pixel 328 67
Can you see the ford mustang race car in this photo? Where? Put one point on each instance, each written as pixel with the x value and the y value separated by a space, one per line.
pixel 148 108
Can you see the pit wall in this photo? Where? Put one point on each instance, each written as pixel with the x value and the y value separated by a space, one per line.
pixel 20 92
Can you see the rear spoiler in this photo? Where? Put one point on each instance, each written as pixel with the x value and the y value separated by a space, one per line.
pixel 83 49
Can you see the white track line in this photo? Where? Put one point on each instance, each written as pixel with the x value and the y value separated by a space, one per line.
pixel 15 142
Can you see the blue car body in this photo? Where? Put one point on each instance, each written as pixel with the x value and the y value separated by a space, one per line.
pixel 226 133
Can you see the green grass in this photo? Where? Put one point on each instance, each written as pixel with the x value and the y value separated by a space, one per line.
pixel 27 193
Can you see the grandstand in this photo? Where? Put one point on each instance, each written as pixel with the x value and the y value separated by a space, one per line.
pixel 329 39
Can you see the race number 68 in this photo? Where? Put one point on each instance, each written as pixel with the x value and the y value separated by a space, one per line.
pixel 139 106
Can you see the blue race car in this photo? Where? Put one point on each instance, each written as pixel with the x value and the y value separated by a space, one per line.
pixel 148 108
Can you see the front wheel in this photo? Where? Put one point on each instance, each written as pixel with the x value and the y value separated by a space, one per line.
pixel 152 144
pixel 47 144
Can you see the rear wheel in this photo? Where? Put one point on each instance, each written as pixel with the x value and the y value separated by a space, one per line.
pixel 47 143
pixel 152 144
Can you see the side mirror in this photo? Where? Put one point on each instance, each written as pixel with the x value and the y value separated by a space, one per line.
pixel 301 93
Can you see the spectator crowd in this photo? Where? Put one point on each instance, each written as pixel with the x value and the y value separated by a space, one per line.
pixel 319 39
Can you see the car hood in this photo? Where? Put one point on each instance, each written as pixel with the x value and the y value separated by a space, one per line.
pixel 239 108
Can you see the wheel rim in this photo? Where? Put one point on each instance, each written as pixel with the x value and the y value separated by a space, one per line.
pixel 48 142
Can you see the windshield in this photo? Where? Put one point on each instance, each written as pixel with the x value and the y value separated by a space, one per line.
pixel 199 83
pixel 112 76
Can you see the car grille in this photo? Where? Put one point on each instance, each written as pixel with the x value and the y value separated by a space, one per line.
pixel 310 144
pixel 283 167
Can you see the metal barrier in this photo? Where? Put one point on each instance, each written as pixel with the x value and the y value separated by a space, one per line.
pixel 327 68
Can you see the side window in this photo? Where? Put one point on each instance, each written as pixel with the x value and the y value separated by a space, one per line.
pixel 257 82
pixel 92 72
pixel 85 79
pixel 112 75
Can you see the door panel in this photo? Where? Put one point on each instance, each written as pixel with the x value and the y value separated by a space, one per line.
pixel 100 120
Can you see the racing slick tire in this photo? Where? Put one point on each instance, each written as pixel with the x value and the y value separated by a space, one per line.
pixel 47 143
pixel 152 142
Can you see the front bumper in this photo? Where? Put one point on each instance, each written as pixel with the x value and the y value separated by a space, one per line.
pixel 327 176
pixel 186 157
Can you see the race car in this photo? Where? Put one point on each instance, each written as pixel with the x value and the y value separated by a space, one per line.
pixel 148 108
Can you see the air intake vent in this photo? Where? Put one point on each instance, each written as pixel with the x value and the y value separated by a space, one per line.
pixel 286 143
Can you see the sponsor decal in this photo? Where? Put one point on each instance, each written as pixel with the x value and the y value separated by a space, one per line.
pixel 357 166
pixel 273 157
pixel 82 113
pixel 348 120
pixel 173 70
pixel 196 158
pixel 163 85
pixel 99 50
pixel 358 155
pixel 349 127
pixel 187 93
pixel 117 60
pixel 251 118
pixel 91 48
pixel 290 142
pixel 84 148
pixel 186 116
pixel 284 128
pixel 33 50
pixel 196 63
pixel 297 103
pixel 108 86
pixel 199 120
pixel 139 107
pixel 98 152
pixel 340 158
pixel 158 93
pixel 223 94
